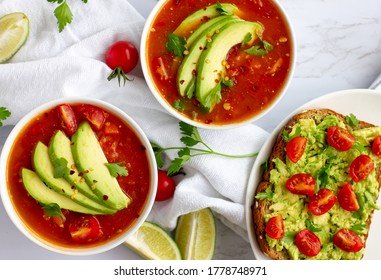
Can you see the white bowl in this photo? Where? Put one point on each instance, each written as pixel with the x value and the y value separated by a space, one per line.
pixel 12 213
pixel 344 102
pixel 167 106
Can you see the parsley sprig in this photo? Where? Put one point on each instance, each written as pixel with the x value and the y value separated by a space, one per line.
pixel 190 138
pixel 4 114
pixel 63 13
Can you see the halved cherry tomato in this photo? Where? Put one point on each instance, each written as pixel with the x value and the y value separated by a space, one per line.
pixel 302 184
pixel 295 148
pixel 347 198
pixel 321 202
pixel 111 129
pixel 376 146
pixel 275 227
pixel 361 167
pixel 85 229
pixel 122 54
pixel 340 138
pixel 93 114
pixel 347 240
pixel 165 186
pixel 68 119
pixel 308 243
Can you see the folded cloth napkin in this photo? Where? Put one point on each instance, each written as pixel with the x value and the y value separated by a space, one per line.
pixel 71 63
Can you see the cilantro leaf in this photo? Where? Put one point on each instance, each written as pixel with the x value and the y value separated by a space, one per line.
pixel 352 120
pixel 178 105
pixel 190 130
pixel 246 39
pixel 52 209
pixel 177 163
pixel 267 194
pixel 158 151
pixel 228 83
pixel 287 137
pixel 4 114
pixel 261 49
pixel 213 97
pixel 312 226
pixel 359 147
pixel 61 170
pixel 265 165
pixel 221 9
pixel 116 169
pixel 176 44
pixel 63 14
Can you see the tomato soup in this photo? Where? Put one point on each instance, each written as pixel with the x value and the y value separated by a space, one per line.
pixel 258 79
pixel 119 144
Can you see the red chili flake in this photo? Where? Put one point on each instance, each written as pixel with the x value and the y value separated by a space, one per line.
pixel 105 197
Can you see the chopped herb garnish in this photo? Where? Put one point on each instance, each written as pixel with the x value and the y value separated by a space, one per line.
pixel 265 165
pixel 228 83
pixel 176 44
pixel 286 136
pixel 221 9
pixel 213 97
pixel 247 39
pixel 178 105
pixel 117 169
pixel 61 170
pixel 190 138
pixel 359 147
pixel 261 49
pixel 52 209
pixel 352 120
pixel 268 194
pixel 359 228
pixel 4 114
pixel 189 92
pixel 312 226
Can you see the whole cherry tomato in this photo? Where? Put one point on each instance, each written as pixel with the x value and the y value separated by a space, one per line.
pixel 165 186
pixel 347 240
pixel 295 148
pixel 347 198
pixel 308 243
pixel 85 229
pixel 340 138
pixel 361 167
pixel 121 57
pixel 376 146
pixel 275 227
pixel 321 202
pixel 302 184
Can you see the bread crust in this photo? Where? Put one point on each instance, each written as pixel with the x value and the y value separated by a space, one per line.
pixel 261 207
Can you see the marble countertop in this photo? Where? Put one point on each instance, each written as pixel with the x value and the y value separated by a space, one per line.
pixel 338 47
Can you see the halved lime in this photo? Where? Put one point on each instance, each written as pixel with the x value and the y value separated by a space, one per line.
pixel 14 30
pixel 196 235
pixel 152 242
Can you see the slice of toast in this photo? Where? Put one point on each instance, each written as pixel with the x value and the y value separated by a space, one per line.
pixel 262 207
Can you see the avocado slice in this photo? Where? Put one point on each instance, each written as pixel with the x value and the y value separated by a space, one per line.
pixel 40 192
pixel 60 147
pixel 210 69
pixel 91 161
pixel 195 19
pixel 188 66
pixel 45 170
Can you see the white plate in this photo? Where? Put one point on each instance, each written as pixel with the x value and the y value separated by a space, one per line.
pixel 365 105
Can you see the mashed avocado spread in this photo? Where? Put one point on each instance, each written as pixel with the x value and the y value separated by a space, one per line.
pixel 329 167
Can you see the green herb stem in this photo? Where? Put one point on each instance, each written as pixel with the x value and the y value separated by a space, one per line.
pixel 209 152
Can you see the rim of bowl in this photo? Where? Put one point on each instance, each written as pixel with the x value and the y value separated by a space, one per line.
pixel 181 117
pixel 8 205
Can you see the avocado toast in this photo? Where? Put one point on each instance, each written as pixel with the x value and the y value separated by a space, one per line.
pixel 311 202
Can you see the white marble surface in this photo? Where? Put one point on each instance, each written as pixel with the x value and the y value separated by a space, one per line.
pixel 338 46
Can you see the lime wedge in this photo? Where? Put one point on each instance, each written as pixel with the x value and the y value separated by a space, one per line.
pixel 152 242
pixel 196 235
pixel 14 30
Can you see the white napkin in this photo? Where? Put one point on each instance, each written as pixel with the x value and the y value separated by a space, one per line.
pixel 52 65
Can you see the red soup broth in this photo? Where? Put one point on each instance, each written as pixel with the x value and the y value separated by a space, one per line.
pixel 258 80
pixel 124 147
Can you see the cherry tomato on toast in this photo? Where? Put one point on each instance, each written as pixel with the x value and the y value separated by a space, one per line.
pixel 347 240
pixel 275 227
pixel 321 202
pixel 347 198
pixel 302 184
pixel 165 186
pixel 68 119
pixel 85 229
pixel 308 243
pixel 295 148
pixel 361 167
pixel 376 146
pixel 340 138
